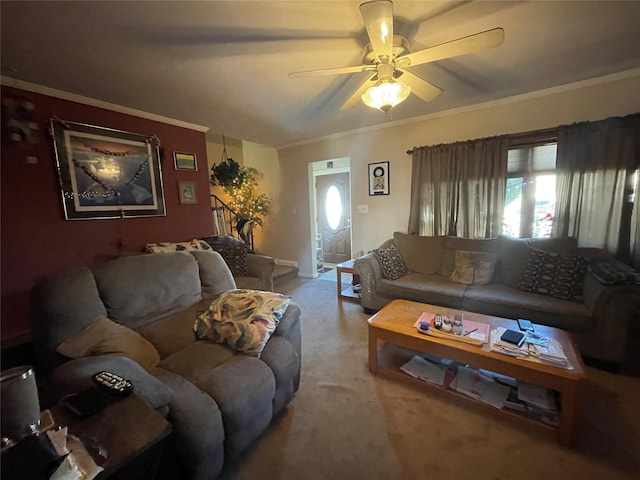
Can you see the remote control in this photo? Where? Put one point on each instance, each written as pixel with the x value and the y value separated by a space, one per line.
pixel 113 384
pixel 437 321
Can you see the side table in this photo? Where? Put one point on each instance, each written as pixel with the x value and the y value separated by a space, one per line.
pixel 347 293
pixel 129 433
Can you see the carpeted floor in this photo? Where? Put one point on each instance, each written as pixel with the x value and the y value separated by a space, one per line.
pixel 346 423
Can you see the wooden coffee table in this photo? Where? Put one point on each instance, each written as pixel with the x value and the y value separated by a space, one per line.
pixel 394 325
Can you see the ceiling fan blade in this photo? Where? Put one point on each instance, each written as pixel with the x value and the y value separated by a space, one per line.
pixel 425 90
pixel 331 71
pixel 378 20
pixel 357 95
pixel 473 43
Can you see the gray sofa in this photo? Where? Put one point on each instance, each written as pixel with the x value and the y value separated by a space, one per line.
pixel 600 322
pixel 218 400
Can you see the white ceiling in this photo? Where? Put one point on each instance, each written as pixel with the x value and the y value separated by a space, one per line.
pixel 224 65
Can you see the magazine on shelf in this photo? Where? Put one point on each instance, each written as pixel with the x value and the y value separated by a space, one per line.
pixel 435 373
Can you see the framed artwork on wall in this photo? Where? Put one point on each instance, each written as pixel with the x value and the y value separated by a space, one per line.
pixel 185 161
pixel 106 173
pixel 379 178
pixel 187 192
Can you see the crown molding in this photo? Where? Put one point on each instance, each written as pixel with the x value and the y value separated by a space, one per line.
pixel 52 92
pixel 634 72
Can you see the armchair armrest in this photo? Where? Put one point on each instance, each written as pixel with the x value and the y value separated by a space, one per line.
pixel 261 266
pixel 614 309
pixel 370 272
pixel 76 375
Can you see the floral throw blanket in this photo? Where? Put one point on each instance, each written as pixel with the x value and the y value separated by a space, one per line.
pixel 242 319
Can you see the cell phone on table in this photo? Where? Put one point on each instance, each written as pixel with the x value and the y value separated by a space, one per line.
pixel 525 325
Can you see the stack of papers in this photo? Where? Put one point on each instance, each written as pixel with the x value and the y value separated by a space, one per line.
pixel 551 353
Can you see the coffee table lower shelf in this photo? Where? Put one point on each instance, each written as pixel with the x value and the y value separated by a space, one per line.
pixel 393 325
pixel 392 357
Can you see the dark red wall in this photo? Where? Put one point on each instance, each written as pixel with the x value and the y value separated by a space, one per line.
pixel 36 238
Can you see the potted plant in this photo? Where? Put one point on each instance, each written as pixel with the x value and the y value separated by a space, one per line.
pixel 240 183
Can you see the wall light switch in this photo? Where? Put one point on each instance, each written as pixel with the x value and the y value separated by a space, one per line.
pixel 32 160
pixel 363 208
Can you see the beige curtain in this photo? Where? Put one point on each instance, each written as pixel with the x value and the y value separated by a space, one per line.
pixel 459 189
pixel 597 185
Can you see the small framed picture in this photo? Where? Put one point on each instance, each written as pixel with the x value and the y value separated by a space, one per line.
pixel 187 192
pixel 379 178
pixel 185 161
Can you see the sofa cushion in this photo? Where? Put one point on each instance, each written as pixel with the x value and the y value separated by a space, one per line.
pixel 555 274
pixel 140 289
pixel 392 263
pixel 434 289
pixel 473 268
pixel 451 244
pixel 103 336
pixel 420 253
pixel 507 302
pixel 242 319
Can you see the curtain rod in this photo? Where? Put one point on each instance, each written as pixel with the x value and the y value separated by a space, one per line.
pixel 516 139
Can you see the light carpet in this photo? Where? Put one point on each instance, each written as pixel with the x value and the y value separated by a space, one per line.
pixel 346 423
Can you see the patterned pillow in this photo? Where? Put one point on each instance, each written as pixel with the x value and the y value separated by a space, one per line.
pixel 242 319
pixel 392 263
pixel 177 246
pixel 555 274
pixel 473 268
pixel 235 258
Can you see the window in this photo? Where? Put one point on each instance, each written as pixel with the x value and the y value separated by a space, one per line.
pixel 333 207
pixel 531 191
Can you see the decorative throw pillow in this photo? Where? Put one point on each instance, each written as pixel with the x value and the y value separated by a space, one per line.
pixel 392 263
pixel 103 336
pixel 473 268
pixel 614 272
pixel 235 258
pixel 555 274
pixel 242 319
pixel 175 246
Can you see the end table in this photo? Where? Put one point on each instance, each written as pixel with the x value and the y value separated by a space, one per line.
pixel 129 433
pixel 347 293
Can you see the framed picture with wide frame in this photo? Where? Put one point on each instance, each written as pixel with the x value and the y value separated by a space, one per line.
pixel 106 173
pixel 187 191
pixel 379 178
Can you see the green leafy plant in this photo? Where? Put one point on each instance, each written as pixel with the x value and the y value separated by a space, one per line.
pixel 240 183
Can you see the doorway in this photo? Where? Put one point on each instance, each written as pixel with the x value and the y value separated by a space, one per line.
pixel 332 212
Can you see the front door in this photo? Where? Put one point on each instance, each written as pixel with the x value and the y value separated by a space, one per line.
pixel 334 216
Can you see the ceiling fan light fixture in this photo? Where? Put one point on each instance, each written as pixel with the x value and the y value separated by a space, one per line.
pixel 386 94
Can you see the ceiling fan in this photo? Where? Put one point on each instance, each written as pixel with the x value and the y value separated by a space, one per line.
pixel 387 58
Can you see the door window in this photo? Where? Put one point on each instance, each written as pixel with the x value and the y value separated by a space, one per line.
pixel 333 207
